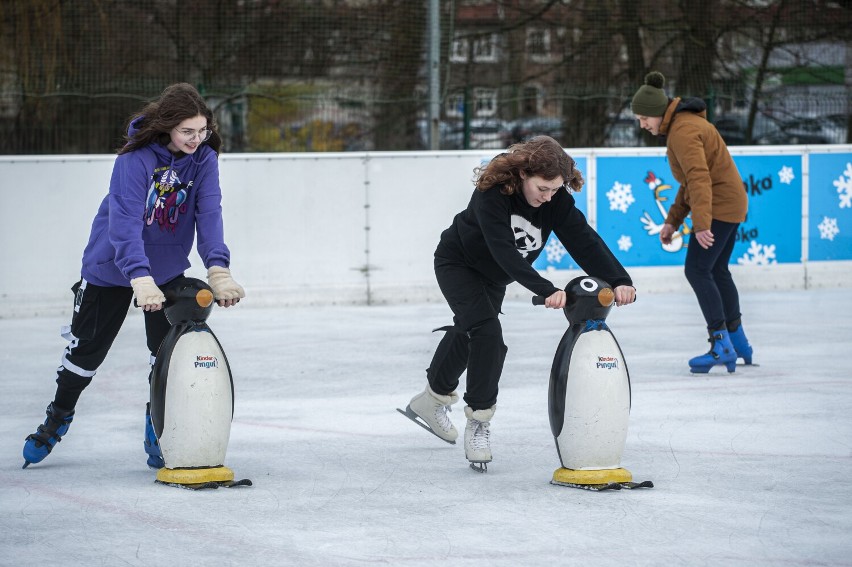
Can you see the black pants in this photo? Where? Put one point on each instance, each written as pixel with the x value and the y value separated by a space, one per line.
pixel 475 341
pixel 708 274
pixel 99 313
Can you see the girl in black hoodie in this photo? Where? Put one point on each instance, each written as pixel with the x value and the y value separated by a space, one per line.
pixel 521 196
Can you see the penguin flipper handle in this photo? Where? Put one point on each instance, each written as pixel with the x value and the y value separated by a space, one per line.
pixel 167 303
pixel 538 300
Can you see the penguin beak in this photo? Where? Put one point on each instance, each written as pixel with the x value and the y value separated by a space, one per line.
pixel 606 297
pixel 204 298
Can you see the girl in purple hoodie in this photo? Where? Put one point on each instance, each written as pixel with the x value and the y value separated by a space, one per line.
pixel 164 192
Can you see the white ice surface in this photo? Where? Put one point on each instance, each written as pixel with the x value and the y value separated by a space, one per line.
pixel 750 469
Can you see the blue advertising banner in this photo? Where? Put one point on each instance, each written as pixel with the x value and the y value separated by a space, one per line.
pixel 633 198
pixel 634 195
pixel 772 232
pixel 555 257
pixel 830 207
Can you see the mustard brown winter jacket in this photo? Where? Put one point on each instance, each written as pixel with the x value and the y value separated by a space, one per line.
pixel 710 184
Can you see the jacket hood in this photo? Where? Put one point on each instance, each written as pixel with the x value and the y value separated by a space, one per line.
pixel 133 128
pixel 159 149
pixel 695 105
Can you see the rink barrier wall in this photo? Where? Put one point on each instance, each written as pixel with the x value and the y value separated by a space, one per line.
pixel 361 227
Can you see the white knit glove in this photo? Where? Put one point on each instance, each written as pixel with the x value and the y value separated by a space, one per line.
pixel 148 295
pixel 224 286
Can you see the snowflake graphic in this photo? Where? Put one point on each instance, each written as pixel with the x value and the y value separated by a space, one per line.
pixel 555 251
pixel 758 254
pixel 620 197
pixel 828 228
pixel 844 187
pixel 786 175
pixel 625 243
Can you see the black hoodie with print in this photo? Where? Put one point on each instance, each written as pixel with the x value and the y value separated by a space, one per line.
pixel 500 236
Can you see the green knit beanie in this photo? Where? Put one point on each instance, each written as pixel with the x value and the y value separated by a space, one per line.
pixel 650 100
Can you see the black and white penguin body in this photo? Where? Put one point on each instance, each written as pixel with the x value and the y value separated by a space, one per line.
pixel 192 390
pixel 589 393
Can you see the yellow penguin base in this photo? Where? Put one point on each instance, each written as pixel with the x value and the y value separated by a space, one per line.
pixel 569 477
pixel 195 476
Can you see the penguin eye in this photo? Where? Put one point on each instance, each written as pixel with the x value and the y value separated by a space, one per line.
pixel 588 284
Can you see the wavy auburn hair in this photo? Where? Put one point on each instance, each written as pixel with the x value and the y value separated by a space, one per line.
pixel 541 156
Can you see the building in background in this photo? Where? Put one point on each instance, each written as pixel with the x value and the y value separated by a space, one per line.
pixel 344 75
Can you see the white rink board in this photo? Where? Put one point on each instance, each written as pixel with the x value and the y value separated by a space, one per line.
pixel 303 229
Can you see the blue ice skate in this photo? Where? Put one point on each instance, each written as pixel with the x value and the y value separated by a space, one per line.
pixel 740 341
pixel 152 445
pixel 39 444
pixel 721 352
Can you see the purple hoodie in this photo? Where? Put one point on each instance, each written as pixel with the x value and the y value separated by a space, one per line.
pixel 147 223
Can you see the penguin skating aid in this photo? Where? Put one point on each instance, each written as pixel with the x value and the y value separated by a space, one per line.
pixel 192 393
pixel 589 393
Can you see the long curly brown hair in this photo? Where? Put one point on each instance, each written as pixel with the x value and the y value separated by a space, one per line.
pixel 156 120
pixel 540 156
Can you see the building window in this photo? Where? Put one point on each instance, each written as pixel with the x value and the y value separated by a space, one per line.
pixel 538 43
pixel 530 101
pixel 455 105
pixel 484 48
pixel 483 101
pixel 460 50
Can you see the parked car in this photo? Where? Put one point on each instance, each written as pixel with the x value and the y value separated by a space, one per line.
pixel 771 131
pixel 818 130
pixel 796 131
pixel 623 133
pixel 444 134
pixel 836 128
pixel 525 128
pixel 732 127
pixel 485 133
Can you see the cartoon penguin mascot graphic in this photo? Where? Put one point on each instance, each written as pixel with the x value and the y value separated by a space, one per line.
pixel 589 393
pixel 192 393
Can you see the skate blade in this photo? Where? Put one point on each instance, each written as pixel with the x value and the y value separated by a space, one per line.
pixel 26 464
pixel 701 370
pixel 205 485
pixel 632 485
pixel 606 486
pixel 409 413
pixel 592 487
pixel 479 467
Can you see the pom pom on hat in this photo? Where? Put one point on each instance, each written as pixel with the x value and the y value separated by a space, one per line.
pixel 650 99
pixel 655 79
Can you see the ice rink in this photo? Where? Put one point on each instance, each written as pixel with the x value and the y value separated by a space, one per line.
pixel 751 469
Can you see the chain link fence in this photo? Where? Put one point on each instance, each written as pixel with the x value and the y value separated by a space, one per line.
pixel 348 75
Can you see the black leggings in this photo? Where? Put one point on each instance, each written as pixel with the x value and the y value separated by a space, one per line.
pixel 475 341
pixel 99 313
pixel 708 274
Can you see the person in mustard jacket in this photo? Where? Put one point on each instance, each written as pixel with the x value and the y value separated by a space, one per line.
pixel 711 188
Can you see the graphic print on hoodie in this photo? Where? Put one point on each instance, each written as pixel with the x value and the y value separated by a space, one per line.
pixel 527 235
pixel 166 198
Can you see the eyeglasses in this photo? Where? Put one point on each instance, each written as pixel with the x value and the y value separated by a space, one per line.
pixel 189 135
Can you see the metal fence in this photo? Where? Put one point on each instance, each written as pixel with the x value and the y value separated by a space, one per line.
pixel 353 75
